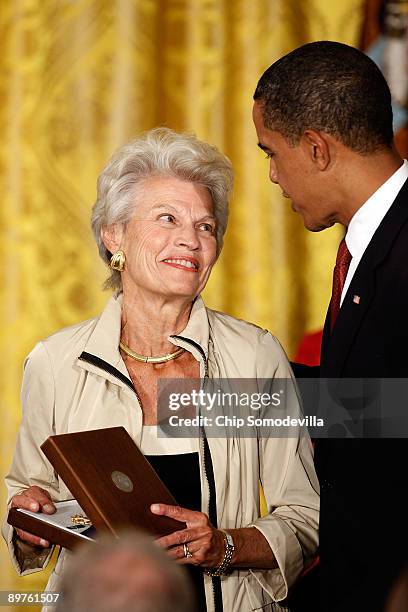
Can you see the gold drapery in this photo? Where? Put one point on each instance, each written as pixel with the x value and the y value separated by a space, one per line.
pixel 79 78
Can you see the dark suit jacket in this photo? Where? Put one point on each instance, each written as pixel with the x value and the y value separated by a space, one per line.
pixel 364 482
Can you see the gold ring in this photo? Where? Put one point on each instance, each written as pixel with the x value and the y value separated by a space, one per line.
pixel 187 553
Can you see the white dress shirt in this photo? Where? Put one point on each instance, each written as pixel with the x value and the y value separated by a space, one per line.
pixel 367 219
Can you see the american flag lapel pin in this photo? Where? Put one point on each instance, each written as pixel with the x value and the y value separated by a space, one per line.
pixel 356 299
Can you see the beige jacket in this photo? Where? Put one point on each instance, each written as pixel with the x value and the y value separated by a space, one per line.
pixel 64 392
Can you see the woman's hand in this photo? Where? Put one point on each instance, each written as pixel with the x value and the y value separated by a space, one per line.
pixel 36 500
pixel 205 543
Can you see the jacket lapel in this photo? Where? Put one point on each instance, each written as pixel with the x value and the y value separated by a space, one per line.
pixel 336 345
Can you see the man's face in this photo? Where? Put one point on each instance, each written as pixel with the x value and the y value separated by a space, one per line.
pixel 292 168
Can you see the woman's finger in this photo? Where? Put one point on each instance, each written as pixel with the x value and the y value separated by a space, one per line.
pixel 182 537
pixel 178 553
pixel 32 539
pixel 176 512
pixel 43 498
pixel 34 499
pixel 25 502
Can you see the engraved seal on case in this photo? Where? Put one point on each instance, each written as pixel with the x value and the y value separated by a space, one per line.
pixel 122 482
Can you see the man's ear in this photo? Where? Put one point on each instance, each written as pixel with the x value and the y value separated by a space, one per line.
pixel 319 147
pixel 112 236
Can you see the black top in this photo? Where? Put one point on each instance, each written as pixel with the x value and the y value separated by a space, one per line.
pixel 181 475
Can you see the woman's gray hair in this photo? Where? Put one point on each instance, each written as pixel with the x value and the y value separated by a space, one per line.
pixel 158 152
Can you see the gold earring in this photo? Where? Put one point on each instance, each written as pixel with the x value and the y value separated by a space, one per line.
pixel 117 261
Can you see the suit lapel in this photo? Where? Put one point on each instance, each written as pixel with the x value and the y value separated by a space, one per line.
pixel 336 346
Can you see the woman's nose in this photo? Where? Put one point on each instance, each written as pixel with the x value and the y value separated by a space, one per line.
pixel 188 237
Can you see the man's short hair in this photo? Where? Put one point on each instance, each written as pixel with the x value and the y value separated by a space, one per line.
pixel 329 87
pixel 129 574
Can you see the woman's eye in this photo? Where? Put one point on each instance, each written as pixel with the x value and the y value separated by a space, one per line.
pixel 167 217
pixel 269 156
pixel 206 227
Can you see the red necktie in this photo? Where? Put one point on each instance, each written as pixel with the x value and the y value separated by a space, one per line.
pixel 339 276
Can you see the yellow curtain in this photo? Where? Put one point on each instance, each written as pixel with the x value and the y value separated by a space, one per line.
pixel 80 77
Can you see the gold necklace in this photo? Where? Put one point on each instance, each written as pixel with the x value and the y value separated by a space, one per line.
pixel 146 359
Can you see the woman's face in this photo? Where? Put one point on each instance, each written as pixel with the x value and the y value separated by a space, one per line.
pixel 170 242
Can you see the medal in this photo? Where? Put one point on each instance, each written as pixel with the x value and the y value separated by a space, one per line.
pixel 80 520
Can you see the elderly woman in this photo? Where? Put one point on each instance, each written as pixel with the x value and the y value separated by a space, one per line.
pixel 159 221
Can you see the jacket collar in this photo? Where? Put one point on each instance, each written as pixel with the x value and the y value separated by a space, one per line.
pixel 104 339
pixel 195 336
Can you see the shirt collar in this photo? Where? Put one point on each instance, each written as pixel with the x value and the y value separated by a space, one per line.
pixel 367 219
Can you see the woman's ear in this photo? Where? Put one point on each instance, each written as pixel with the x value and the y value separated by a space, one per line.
pixel 112 236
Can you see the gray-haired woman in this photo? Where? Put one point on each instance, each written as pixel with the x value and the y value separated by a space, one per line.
pixel 159 221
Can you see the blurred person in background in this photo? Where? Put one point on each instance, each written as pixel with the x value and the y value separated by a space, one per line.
pixel 323 116
pixel 159 220
pixel 130 574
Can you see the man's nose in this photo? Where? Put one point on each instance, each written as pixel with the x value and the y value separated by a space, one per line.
pixel 273 175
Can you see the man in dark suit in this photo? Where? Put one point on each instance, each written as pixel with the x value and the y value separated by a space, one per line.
pixel 323 116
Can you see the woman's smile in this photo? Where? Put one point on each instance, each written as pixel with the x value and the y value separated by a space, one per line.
pixel 188 264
